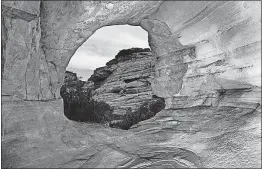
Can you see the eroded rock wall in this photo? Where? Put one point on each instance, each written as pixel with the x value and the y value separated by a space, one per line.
pixel 20 50
pixel 41 37
pixel 226 41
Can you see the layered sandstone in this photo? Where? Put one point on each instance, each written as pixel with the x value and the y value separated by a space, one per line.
pixel 226 38
pixel 208 70
pixel 128 83
pixel 48 34
pixel 119 93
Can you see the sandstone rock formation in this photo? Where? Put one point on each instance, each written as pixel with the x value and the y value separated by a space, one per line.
pixel 119 93
pixel 126 80
pixel 208 70
pixel 48 34
pixel 217 31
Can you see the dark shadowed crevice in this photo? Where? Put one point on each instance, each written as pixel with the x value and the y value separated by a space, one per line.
pixel 78 102
pixel 131 80
pixel 145 111
pixel 3 45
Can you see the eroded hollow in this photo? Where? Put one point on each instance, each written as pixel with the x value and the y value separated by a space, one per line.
pixel 118 93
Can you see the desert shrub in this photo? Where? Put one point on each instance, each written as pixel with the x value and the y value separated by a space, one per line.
pixel 79 105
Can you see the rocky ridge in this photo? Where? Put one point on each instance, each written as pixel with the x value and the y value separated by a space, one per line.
pixel 119 93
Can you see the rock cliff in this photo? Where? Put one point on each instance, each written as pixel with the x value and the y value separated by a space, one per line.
pixel 126 80
pixel 119 93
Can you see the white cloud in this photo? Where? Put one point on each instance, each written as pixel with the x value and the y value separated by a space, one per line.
pixel 87 60
pixel 105 43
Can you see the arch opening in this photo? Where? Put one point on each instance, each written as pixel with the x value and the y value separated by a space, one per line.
pixel 103 46
pixel 108 79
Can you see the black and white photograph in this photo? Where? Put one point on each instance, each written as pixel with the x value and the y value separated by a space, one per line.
pixel 130 84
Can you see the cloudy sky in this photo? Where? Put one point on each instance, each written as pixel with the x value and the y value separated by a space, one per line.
pixel 104 44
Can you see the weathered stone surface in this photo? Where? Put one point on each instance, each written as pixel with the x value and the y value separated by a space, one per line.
pixel 128 85
pixel 19 80
pixel 208 69
pixel 101 74
pixel 225 39
pixel 36 134
pixel 220 136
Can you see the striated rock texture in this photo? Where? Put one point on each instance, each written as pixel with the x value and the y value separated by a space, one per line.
pixel 119 93
pixel 204 41
pixel 125 82
pixel 207 69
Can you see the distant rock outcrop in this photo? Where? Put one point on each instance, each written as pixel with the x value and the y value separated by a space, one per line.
pixel 119 93
pixel 126 80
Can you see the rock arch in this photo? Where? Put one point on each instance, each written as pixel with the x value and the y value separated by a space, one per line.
pixel 48 33
pixel 208 70
pixel 56 29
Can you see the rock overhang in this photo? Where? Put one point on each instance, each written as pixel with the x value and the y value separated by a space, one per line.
pixel 61 27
